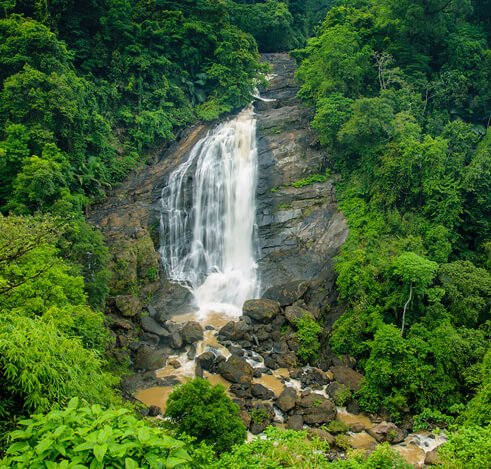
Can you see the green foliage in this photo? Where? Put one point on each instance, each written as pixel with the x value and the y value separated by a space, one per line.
pixel 342 395
pixel 468 447
pixel 398 89
pixel 312 179
pixel 281 448
pixel 41 367
pixel 80 436
pixel 308 336
pixel 383 457
pixel 204 411
pixel 336 426
pixel 51 341
pixel 428 419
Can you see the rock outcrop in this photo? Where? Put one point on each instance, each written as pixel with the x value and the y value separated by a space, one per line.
pixel 300 227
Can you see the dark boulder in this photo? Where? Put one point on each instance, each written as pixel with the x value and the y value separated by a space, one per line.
pixel 386 431
pixel 234 330
pixel 153 327
pixel 206 360
pixel 347 376
pixel 242 391
pixel 287 399
pixel 261 416
pixel 294 313
pixel 317 409
pixel 236 370
pixel 295 422
pixel 262 392
pixel 191 332
pixel 261 310
pixel 148 358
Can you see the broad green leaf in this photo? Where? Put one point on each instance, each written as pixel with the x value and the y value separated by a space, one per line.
pixel 85 446
pixel 44 445
pixel 130 464
pixel 100 451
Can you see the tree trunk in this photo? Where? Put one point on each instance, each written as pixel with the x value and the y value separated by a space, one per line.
pixel 405 307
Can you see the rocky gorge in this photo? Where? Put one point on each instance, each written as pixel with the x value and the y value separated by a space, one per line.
pixel 256 356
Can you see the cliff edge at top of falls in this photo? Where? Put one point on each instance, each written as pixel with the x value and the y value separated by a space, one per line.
pixel 300 228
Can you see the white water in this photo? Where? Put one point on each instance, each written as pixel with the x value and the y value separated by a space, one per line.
pixel 212 198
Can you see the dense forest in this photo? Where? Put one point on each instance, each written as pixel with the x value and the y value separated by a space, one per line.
pixel 401 92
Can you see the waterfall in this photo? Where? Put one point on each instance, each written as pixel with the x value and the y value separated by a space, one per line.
pixel 208 210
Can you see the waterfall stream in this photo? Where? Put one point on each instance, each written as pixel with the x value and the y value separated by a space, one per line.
pixel 208 211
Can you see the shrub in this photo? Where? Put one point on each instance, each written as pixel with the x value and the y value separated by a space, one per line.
pixel 308 335
pixel 207 413
pixel 469 447
pixel 92 437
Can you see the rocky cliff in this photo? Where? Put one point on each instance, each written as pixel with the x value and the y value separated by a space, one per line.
pixel 300 227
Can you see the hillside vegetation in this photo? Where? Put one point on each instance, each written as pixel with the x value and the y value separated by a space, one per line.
pixel 401 91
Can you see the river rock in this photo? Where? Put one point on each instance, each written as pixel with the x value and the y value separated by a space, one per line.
pixel 287 399
pixel 175 340
pixel 148 358
pixel 347 376
pixel 317 409
pixel 310 376
pixel 241 390
pixel 386 431
pixel 432 458
pixel 206 360
pixel 234 330
pixel 236 370
pixel 150 339
pixel 294 313
pixel 261 310
pixel 153 327
pixel 287 293
pixel 295 422
pixel 262 392
pixel 191 332
pixel 128 305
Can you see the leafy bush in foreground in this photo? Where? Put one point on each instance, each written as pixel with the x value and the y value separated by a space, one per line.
pixel 94 437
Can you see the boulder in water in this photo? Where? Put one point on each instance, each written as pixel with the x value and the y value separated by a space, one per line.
pixel 317 409
pixel 262 392
pixel 234 330
pixel 261 310
pixel 192 332
pixel 386 431
pixel 206 360
pixel 236 370
pixel 287 399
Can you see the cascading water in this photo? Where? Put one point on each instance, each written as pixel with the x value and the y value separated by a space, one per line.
pixel 208 218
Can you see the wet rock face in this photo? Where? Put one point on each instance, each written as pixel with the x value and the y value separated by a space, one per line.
pixel 300 228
